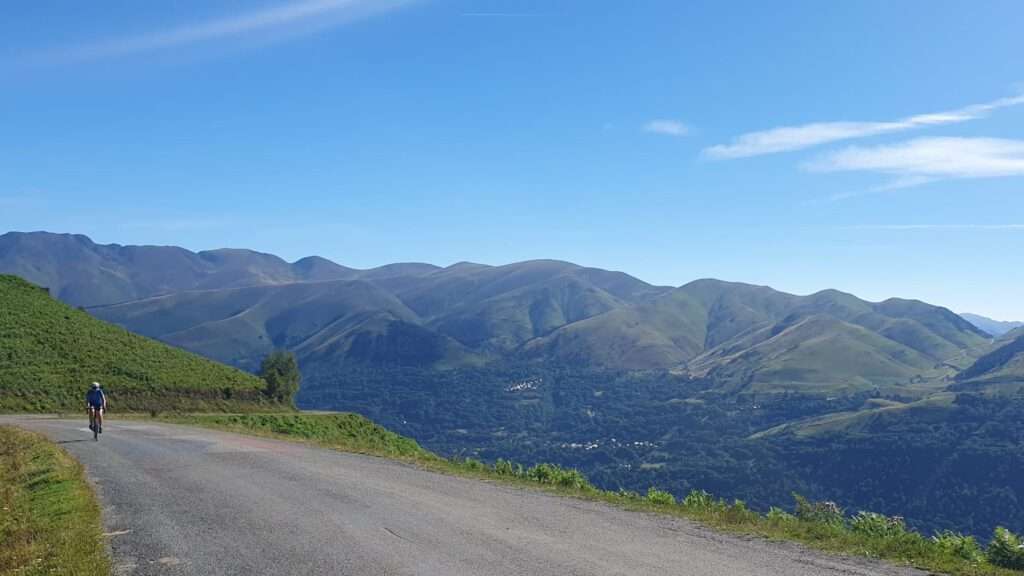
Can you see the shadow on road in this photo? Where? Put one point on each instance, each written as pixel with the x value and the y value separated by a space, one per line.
pixel 72 441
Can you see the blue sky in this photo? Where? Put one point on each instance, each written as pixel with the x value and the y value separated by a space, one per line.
pixel 873 147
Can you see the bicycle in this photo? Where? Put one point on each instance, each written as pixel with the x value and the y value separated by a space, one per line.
pixel 94 411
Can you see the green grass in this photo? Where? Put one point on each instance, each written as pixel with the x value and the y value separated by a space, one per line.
pixel 51 352
pixel 822 526
pixel 50 521
pixel 346 432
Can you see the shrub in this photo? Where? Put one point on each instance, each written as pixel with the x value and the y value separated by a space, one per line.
pixel 779 516
pixel 558 476
pixel 878 525
pixel 958 545
pixel 827 513
pixel 542 473
pixel 660 498
pixel 507 468
pixel 699 500
pixel 739 513
pixel 572 478
pixel 473 464
pixel 629 494
pixel 1006 550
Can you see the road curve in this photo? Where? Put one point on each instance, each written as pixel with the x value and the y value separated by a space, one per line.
pixel 187 501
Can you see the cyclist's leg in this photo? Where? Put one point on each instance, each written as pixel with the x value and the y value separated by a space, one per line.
pixel 99 417
pixel 92 417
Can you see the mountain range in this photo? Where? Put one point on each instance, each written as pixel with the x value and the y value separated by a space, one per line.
pixel 237 305
pixel 740 389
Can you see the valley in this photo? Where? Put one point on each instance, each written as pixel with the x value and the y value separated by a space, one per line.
pixel 741 390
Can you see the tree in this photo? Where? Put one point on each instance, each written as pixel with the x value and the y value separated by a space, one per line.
pixel 280 371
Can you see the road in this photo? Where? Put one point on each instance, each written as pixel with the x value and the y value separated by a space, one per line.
pixel 187 501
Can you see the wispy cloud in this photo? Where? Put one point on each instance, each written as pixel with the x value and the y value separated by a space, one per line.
pixel 789 138
pixel 667 127
pixel 292 17
pixel 498 14
pixel 922 160
pixel 939 227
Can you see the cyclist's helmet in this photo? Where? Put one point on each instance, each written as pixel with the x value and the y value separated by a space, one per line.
pixel 95 385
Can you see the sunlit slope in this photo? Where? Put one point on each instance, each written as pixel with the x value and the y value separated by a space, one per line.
pixel 754 338
pixel 1003 366
pixel 50 352
pixel 815 354
pixel 235 306
pixel 497 309
pixel 355 320
pixel 461 315
pixel 875 417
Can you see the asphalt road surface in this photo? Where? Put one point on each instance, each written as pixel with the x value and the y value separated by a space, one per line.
pixel 189 501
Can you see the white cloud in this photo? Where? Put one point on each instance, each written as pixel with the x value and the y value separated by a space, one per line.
pixel 923 160
pixel 308 15
pixel 789 138
pixel 667 127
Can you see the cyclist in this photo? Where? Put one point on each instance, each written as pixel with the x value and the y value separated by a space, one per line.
pixel 97 402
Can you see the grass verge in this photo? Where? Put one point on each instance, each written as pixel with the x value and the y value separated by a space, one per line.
pixel 345 432
pixel 820 525
pixel 49 518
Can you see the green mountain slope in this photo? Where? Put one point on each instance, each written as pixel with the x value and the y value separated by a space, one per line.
pixel 754 338
pixel 741 337
pixel 664 332
pixel 816 353
pixel 461 315
pixel 236 305
pixel 497 309
pixel 348 320
pixel 50 353
pixel 1003 366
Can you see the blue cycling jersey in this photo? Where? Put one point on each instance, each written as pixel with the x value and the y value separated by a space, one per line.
pixel 94 398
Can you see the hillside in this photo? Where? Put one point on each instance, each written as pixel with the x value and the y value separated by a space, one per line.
pixel 236 305
pixel 1002 368
pixel 353 320
pixel 994 327
pixel 752 337
pixel 740 336
pixel 458 316
pixel 50 352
